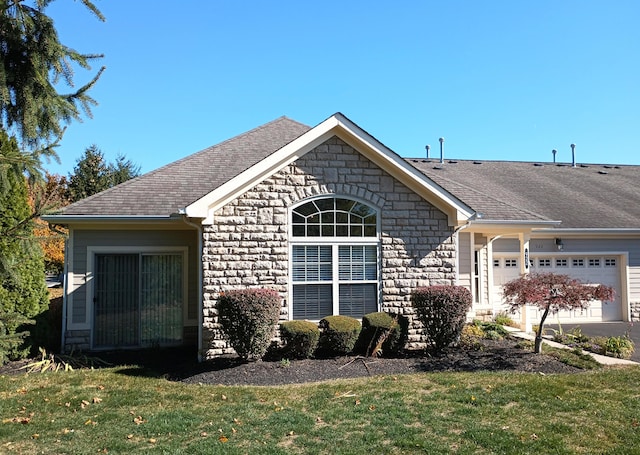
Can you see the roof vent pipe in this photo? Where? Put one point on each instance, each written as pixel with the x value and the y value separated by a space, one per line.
pixel 554 151
pixel 427 148
pixel 441 150
pixel 573 155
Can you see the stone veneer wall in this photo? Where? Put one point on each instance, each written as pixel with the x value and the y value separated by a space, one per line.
pixel 248 244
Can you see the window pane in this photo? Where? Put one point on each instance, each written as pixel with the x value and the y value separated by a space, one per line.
pixel 306 209
pixel 356 300
pixel 312 301
pixel 161 299
pixel 311 263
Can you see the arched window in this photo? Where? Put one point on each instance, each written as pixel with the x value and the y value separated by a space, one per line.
pixel 334 258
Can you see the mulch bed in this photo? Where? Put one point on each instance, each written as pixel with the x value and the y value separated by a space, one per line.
pixel 178 365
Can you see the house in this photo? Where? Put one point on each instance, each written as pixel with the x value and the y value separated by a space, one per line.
pixel 339 224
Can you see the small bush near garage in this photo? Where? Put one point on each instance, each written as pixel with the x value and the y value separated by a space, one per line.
pixel 471 334
pixel 382 334
pixel 248 318
pixel 621 347
pixel 503 318
pixel 442 311
pixel 338 335
pixel 300 339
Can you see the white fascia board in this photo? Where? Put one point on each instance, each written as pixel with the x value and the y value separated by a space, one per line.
pixel 506 227
pixel 63 219
pixel 336 125
pixel 205 206
pixel 401 170
pixel 590 232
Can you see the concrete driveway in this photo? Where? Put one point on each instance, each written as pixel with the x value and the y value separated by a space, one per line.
pixel 608 329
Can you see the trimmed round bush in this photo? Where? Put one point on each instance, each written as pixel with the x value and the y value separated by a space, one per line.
pixel 249 318
pixel 442 310
pixel 300 338
pixel 338 335
pixel 382 334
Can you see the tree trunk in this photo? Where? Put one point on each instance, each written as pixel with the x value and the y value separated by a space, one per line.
pixel 538 344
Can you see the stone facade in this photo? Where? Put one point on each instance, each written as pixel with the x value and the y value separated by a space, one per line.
pixel 247 245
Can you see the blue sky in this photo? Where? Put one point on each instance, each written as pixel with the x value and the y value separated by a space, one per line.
pixel 499 80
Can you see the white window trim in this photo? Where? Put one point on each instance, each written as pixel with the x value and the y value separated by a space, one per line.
pixel 335 242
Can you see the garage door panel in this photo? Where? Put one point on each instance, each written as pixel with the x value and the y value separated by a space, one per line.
pixel 592 269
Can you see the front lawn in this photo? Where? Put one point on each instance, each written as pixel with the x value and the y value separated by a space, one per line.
pixel 118 411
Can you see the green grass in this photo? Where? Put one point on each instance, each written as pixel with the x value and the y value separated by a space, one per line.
pixel 115 411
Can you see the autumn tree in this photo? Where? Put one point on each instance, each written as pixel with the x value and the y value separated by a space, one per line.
pixel 551 293
pixel 50 195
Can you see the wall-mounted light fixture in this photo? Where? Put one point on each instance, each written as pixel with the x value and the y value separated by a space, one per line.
pixel 559 244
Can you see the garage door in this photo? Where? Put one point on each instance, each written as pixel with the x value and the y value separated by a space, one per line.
pixel 588 269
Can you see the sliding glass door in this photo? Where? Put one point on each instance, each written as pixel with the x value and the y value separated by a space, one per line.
pixel 138 300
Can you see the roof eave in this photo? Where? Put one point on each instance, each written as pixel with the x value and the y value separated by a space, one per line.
pixel 109 219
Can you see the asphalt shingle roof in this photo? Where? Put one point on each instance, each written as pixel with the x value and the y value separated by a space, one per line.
pixel 167 189
pixel 585 196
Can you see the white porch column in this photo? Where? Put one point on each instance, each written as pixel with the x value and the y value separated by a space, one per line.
pixel 525 268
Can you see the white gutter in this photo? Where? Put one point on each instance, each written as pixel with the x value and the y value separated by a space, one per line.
pixel 200 282
pixel 590 231
pixel 65 219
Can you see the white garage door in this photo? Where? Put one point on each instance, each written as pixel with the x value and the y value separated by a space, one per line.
pixel 589 269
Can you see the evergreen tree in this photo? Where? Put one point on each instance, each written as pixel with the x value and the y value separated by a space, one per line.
pixel 23 291
pixel 93 173
pixel 122 170
pixel 34 63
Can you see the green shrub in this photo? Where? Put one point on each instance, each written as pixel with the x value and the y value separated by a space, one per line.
pixel 338 335
pixel 248 318
pixel 503 318
pixel 382 334
pixel 300 338
pixel 13 332
pixel 621 347
pixel 442 311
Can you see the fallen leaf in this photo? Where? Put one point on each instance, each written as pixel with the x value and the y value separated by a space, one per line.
pixel 204 434
pixel 319 420
pixel 237 422
pixel 534 436
pixel 35 436
pixel 129 436
pixel 96 400
pixel 372 408
pixel 100 387
pixel 233 430
pixel 66 431
pixel 357 402
pixel 290 433
pixel 90 422
pixel 138 420
pixel 224 397
pixel 153 440
pixel 223 438
pixel 67 404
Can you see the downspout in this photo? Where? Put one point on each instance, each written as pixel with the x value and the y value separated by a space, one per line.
pixel 198 228
pixel 65 288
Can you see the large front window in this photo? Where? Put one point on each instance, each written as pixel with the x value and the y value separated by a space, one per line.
pixel 334 258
